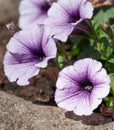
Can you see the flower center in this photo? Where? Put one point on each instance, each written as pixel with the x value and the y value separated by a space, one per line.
pixel 88 88
pixel 86 85
pixel 38 54
pixel 45 7
pixel 75 17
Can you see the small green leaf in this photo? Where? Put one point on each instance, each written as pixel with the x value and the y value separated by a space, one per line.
pixel 109 67
pixel 89 51
pixel 109 101
pixel 75 40
pixel 60 61
pixel 104 47
pixel 103 14
pixel 112 83
pixel 60 58
pixel 111 60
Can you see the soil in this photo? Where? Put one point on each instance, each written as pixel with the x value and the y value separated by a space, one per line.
pixel 40 90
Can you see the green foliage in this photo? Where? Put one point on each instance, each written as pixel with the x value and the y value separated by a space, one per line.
pixel 104 47
pixel 109 101
pixel 89 51
pixel 75 41
pixel 112 83
pixel 104 14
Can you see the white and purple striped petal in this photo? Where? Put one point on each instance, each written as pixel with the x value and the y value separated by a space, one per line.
pixel 32 12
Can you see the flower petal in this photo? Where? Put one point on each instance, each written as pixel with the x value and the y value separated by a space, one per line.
pixel 66 78
pixel 100 78
pixel 101 90
pixel 26 40
pixel 81 68
pixel 32 12
pixel 50 48
pixel 86 9
pixel 83 106
pixel 94 101
pixel 74 5
pixel 20 72
pixel 93 67
pixel 67 98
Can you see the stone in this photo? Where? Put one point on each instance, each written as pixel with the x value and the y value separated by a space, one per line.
pixel 8 10
pixel 19 114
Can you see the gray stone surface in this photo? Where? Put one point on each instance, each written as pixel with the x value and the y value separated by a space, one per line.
pixel 18 114
pixel 8 10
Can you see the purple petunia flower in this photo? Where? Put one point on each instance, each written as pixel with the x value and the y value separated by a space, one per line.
pixel 28 51
pixel 81 87
pixel 32 12
pixel 65 15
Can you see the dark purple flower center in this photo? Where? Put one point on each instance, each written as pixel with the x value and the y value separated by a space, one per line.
pixel 74 17
pixel 86 85
pixel 34 55
pixel 38 54
pixel 45 7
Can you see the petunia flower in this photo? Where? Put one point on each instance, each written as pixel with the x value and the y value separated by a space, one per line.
pixel 81 87
pixel 28 51
pixel 32 12
pixel 65 15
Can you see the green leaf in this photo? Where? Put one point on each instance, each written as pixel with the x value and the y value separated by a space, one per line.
pixel 75 39
pixel 75 51
pixel 60 58
pixel 104 14
pixel 109 67
pixel 89 51
pixel 111 60
pixel 109 101
pixel 60 61
pixel 112 83
pixel 104 48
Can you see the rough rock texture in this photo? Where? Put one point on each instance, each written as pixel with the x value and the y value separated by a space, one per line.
pixel 18 114
pixel 8 10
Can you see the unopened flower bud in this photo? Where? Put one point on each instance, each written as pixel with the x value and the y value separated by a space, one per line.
pixel 105 26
